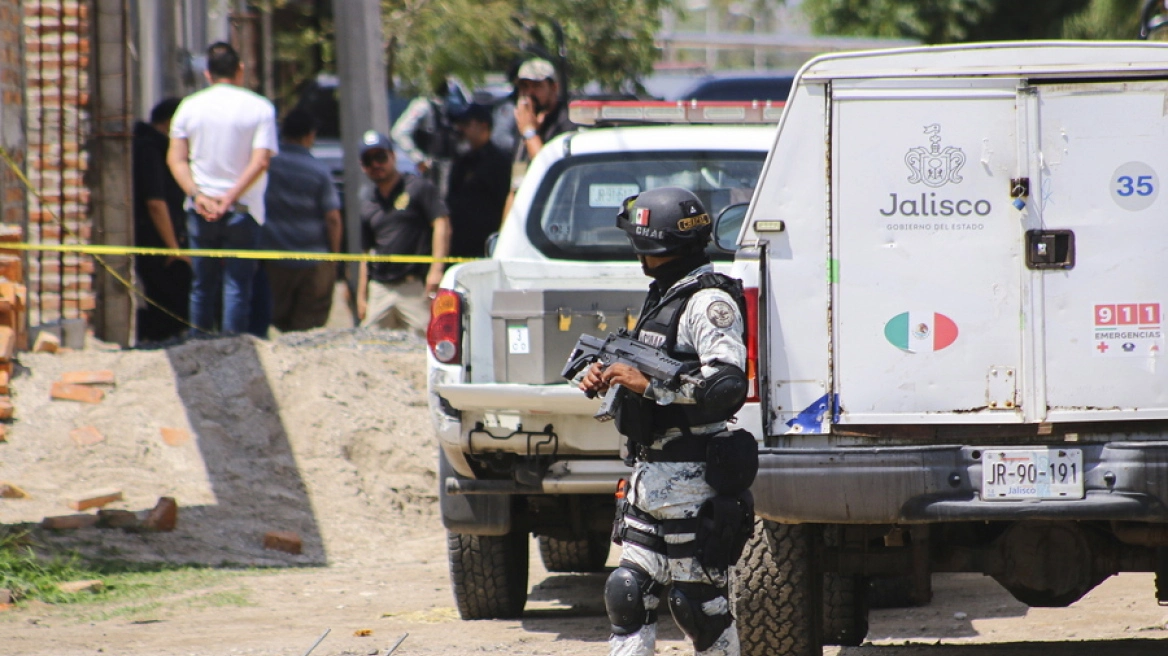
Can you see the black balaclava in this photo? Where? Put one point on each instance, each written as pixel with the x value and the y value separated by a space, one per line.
pixel 666 275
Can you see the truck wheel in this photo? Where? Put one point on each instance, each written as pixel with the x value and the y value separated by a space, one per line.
pixel 489 574
pixel 584 555
pixel 895 592
pixel 845 604
pixel 776 589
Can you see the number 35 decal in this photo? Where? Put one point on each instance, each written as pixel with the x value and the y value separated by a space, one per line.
pixel 1142 185
pixel 1134 186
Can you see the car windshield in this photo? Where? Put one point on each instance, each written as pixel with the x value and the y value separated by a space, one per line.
pixel 574 213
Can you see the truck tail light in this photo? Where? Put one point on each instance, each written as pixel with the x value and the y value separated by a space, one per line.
pixel 444 334
pixel 751 294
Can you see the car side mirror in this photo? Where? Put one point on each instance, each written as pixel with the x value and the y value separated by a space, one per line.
pixel 489 246
pixel 728 225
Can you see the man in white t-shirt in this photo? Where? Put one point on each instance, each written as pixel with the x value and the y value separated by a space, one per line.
pixel 221 140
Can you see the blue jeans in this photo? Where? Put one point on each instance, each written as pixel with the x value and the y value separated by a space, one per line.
pixel 225 282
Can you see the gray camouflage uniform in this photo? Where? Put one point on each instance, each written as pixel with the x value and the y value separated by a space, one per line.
pixel 712 328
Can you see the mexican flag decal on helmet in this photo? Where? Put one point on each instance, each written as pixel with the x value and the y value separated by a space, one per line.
pixel 642 216
pixel 920 332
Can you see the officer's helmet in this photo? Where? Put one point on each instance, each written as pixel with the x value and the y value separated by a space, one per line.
pixel 665 221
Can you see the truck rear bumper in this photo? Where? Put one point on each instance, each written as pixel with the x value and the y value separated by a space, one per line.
pixel 514 397
pixel 907 485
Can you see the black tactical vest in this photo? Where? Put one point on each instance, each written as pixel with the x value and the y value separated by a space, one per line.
pixel 645 420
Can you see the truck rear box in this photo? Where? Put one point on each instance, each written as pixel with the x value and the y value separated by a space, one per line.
pixel 534 330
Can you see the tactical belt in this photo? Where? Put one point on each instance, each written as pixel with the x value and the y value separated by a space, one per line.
pixel 681 449
pixel 681 526
pixel 626 533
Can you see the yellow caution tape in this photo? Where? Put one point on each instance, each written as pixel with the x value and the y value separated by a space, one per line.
pixel 110 249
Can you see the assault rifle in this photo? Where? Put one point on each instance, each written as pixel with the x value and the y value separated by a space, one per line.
pixel 620 348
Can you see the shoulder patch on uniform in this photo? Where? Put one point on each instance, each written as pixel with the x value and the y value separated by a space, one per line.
pixel 720 314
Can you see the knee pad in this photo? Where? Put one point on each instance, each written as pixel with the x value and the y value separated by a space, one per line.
pixel 624 598
pixel 685 602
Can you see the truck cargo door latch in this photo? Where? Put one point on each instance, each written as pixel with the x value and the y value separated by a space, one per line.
pixel 1050 249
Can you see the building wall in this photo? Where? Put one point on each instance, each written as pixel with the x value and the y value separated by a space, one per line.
pixel 56 65
pixel 12 207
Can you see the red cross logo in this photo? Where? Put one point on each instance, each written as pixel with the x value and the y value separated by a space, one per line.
pixel 1102 347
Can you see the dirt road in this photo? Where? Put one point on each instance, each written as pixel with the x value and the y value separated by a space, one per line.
pixel 327 435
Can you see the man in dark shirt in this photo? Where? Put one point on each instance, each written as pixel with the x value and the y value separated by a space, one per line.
pixel 159 222
pixel 402 214
pixel 303 214
pixel 479 182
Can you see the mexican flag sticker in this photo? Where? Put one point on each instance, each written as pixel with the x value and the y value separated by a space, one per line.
pixel 920 332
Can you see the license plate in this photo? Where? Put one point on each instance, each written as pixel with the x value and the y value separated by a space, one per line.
pixel 1008 474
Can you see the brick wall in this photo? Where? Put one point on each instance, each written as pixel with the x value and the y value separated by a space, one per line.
pixel 56 68
pixel 12 207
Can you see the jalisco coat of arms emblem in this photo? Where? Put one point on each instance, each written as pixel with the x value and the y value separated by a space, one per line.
pixel 934 166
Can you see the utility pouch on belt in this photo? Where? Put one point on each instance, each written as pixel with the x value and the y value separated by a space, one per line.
pixel 725 524
pixel 731 462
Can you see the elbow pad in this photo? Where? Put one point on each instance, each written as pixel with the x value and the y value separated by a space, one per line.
pixel 724 391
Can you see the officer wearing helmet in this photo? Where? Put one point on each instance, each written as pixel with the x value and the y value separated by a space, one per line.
pixel 686 511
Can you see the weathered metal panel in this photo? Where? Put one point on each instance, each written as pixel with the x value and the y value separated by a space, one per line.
pixel 1104 153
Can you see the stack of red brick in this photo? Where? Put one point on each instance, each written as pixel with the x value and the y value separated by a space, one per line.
pixel 13 321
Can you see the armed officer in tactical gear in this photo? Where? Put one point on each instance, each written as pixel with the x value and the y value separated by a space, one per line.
pixel 686 510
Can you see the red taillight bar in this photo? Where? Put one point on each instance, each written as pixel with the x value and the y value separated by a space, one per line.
pixel 444 334
pixel 591 112
pixel 751 294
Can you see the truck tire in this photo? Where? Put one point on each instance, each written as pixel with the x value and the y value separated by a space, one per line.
pixel 584 555
pixel 776 589
pixel 489 574
pixel 845 605
pixel 895 592
pixel 845 610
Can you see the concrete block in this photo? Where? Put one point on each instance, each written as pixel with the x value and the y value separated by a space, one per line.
pixel 66 522
pixel 91 585
pixel 98 377
pixel 283 541
pixel 81 393
pixel 163 517
pixel 175 436
pixel 95 499
pixel 46 342
pixel 86 436
pixel 113 518
pixel 7 343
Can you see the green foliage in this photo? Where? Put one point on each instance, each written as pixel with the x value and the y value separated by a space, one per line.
pixel 954 21
pixel 431 39
pixel 607 41
pixel 28 576
pixel 32 570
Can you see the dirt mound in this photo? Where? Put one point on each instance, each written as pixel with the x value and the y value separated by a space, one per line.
pixel 324 433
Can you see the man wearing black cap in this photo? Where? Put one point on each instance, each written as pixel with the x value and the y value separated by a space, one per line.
pixel 479 182
pixel 402 214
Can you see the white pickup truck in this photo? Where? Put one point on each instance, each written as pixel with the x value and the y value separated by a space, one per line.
pixel 959 253
pixel 520 452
